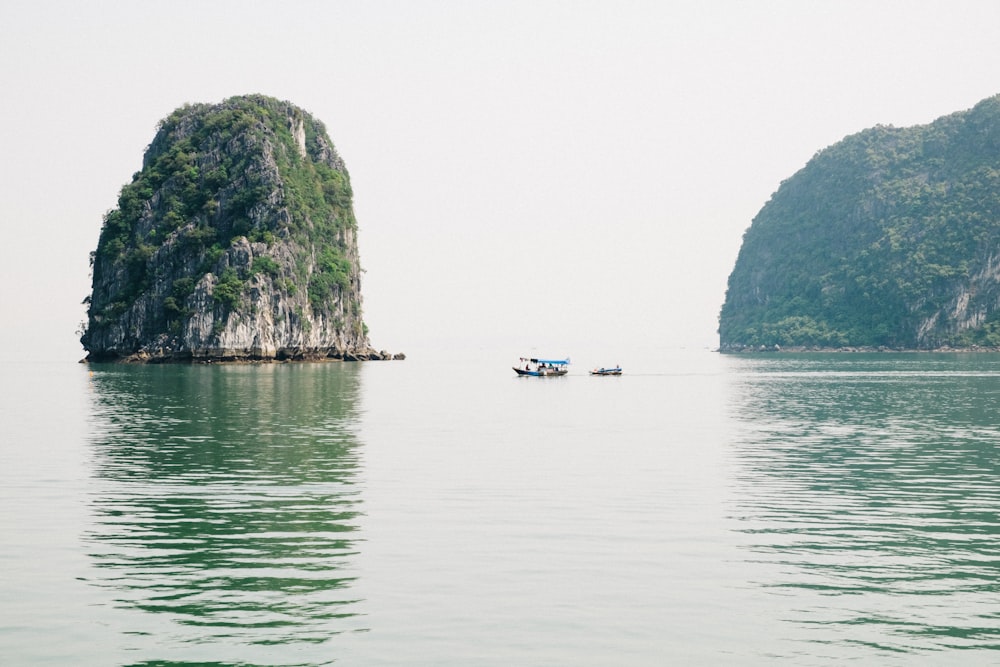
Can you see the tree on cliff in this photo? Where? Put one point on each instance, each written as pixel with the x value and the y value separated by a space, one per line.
pixel 236 240
pixel 890 237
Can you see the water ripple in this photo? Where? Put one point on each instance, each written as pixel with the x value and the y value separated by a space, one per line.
pixel 224 507
pixel 871 497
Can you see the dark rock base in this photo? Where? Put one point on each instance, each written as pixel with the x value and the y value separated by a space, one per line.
pixel 243 356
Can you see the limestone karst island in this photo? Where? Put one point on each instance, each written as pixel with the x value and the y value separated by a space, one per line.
pixel 889 239
pixel 236 241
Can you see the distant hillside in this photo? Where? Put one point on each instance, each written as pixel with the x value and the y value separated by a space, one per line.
pixel 236 241
pixel 890 237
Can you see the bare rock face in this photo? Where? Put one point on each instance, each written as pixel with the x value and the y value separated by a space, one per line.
pixel 236 241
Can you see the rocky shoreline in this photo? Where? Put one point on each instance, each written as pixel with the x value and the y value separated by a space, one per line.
pixel 773 349
pixel 242 356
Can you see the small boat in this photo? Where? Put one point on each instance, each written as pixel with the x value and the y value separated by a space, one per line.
pixel 541 367
pixel 617 370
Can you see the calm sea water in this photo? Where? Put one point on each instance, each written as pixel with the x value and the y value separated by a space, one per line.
pixel 700 509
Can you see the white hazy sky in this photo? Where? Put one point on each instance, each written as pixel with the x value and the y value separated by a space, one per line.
pixel 539 174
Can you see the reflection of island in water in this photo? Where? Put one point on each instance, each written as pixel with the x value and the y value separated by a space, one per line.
pixel 868 495
pixel 225 503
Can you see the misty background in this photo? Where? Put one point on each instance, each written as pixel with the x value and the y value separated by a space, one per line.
pixel 533 176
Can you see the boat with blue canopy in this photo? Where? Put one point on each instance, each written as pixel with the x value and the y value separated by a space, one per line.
pixel 532 367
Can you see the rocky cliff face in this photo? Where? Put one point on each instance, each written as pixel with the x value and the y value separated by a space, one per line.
pixel 888 238
pixel 236 241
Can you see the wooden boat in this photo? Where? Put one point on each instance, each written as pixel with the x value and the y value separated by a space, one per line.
pixel 541 367
pixel 617 370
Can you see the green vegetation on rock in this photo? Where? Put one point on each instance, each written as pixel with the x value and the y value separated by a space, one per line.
pixel 240 218
pixel 889 238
